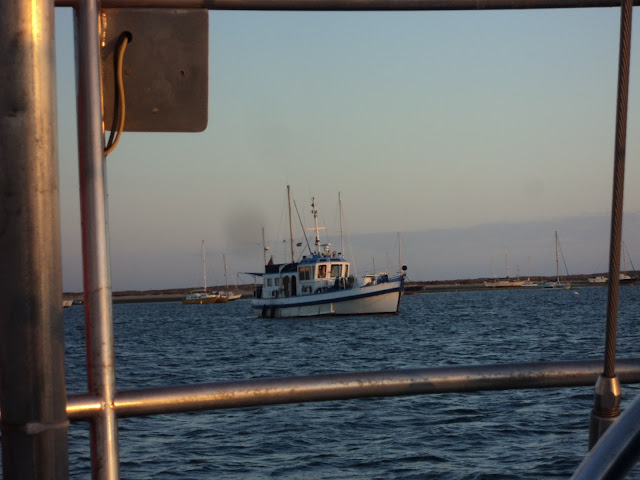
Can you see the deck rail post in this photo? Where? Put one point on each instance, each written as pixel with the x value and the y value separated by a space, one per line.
pixel 33 398
pixel 95 242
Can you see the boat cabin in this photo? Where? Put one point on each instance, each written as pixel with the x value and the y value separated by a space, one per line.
pixel 314 274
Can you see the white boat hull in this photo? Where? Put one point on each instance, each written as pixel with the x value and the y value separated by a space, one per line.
pixel 504 283
pixel 371 299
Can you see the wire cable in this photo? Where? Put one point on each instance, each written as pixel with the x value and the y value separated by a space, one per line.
pixel 118 115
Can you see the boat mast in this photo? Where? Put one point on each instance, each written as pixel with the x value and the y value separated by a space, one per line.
pixel 399 253
pixel 506 260
pixel 264 247
pixel 204 269
pixel 341 235
pixel 315 218
pixel 224 262
pixel 557 260
pixel 290 224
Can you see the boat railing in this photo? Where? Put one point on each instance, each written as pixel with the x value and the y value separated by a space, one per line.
pixel 35 410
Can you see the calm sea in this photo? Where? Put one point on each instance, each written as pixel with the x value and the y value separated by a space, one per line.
pixel 524 434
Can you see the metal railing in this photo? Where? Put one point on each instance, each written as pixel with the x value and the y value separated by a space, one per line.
pixel 34 405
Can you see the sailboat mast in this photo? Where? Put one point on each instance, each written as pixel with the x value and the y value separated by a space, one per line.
pixel 204 269
pixel 506 260
pixel 399 253
pixel 264 247
pixel 290 224
pixel 224 262
pixel 557 260
pixel 315 218
pixel 341 235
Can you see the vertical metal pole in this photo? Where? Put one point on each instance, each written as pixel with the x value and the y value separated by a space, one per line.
pixel 607 390
pixel 32 381
pixel 95 241
pixel 293 259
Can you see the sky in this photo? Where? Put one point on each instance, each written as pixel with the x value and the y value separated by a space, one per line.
pixel 466 132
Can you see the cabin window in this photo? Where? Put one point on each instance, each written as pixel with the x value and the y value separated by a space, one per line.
pixel 322 271
pixel 346 270
pixel 277 281
pixel 268 282
pixel 336 270
pixel 305 273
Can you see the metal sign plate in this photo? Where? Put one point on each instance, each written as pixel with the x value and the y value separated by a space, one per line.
pixel 165 68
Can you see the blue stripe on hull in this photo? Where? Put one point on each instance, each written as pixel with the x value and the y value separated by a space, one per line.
pixel 276 307
pixel 319 301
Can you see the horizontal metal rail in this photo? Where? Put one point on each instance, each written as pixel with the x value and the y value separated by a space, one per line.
pixel 343 386
pixel 351 5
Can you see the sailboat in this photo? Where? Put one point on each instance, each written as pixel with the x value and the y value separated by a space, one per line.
pixel 227 295
pixel 507 282
pixel 626 279
pixel 322 284
pixel 200 297
pixel 529 283
pixel 557 283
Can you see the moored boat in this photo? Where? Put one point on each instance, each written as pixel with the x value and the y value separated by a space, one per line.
pixel 199 297
pixel 227 295
pixel 624 278
pixel 598 279
pixel 557 284
pixel 506 282
pixel 322 284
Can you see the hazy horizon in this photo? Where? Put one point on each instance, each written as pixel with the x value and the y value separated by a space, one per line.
pixel 431 255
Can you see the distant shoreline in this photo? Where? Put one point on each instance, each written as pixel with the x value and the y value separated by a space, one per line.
pixel 412 287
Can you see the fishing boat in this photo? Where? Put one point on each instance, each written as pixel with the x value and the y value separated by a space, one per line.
pixel 557 283
pixel 200 297
pixel 323 284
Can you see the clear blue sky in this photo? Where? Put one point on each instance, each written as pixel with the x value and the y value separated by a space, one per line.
pixel 423 120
